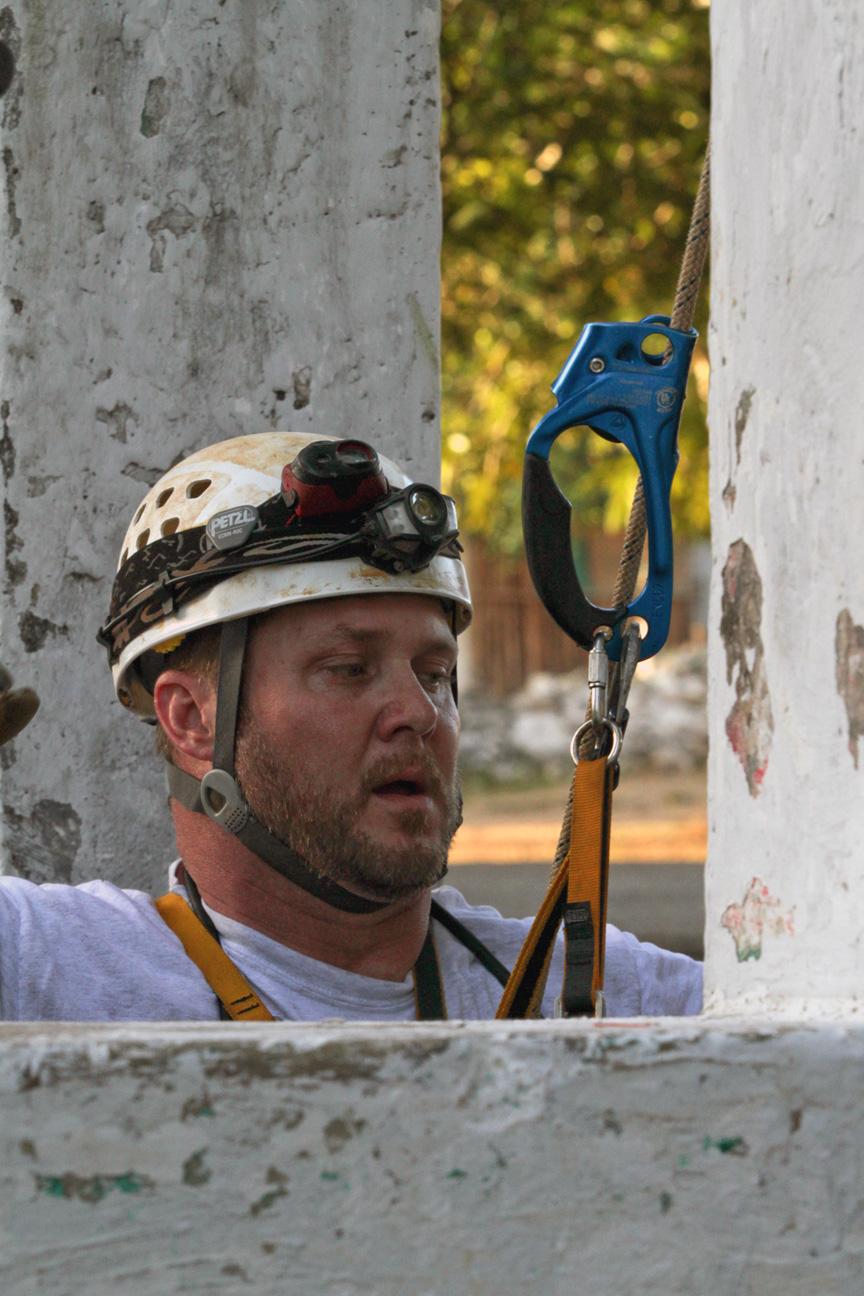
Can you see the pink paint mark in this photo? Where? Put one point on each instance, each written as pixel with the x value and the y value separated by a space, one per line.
pixel 758 913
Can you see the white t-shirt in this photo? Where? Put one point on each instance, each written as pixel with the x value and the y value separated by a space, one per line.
pixel 97 953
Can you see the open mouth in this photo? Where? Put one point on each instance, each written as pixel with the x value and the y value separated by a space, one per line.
pixel 401 788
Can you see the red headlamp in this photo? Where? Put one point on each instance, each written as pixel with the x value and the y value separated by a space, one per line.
pixel 333 477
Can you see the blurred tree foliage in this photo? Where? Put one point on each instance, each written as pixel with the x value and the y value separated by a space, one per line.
pixel 573 136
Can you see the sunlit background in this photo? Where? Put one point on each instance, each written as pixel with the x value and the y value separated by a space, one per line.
pixel 573 134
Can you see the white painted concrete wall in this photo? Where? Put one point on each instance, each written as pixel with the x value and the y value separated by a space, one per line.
pixel 678 1158
pixel 217 219
pixel 787 621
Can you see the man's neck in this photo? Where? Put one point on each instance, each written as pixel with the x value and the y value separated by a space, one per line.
pixel 234 882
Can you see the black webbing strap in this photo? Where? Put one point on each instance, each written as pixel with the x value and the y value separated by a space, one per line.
pixel 576 997
pixel 428 986
pixel 231 655
pixel 471 942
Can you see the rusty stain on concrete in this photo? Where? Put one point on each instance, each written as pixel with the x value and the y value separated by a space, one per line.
pixel 849 652
pixel 750 723
pixel 758 913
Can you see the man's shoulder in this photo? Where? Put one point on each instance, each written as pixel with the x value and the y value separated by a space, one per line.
pixel 40 910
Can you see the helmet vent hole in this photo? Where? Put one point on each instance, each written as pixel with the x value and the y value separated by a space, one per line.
pixel 142 539
pixel 196 488
pixel 164 497
pixel 169 526
pixel 137 517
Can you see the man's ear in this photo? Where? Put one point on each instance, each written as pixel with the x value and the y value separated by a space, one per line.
pixel 185 707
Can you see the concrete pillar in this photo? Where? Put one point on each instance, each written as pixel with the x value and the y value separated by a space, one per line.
pixel 785 896
pixel 217 219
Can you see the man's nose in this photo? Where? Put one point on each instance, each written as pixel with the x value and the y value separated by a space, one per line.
pixel 406 705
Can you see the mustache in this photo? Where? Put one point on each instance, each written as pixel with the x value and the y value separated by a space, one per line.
pixel 389 768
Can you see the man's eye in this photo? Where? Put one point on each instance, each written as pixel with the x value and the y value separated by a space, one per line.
pixel 435 679
pixel 348 670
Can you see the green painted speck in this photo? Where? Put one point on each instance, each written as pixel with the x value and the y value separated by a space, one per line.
pixel 329 1175
pixel 457 1174
pixel 724 1145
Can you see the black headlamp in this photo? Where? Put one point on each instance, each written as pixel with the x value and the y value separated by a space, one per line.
pixel 410 527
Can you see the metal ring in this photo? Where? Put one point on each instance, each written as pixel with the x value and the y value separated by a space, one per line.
pixel 589 724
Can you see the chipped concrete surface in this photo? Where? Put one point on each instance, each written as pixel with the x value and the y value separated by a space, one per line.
pixel 216 219
pixel 667 1156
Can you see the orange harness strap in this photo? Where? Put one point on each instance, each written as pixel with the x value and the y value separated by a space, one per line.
pixel 587 888
pixel 577 894
pixel 225 980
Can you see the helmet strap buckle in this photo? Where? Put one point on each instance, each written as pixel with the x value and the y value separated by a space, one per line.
pixel 223 802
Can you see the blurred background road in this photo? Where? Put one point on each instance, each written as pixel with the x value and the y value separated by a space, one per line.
pixel 502 854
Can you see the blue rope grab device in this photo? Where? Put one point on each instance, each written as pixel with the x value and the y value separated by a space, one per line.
pixel 612 385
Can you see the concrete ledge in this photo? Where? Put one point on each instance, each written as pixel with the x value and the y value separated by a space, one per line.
pixel 683 1156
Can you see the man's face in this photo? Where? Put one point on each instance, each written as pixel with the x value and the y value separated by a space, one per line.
pixel 346 748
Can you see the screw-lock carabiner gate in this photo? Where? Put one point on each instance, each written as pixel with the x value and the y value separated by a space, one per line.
pixel 613 386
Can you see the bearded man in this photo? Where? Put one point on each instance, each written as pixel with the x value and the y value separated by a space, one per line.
pixel 286 611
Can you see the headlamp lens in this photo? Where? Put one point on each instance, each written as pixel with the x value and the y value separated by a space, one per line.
pixel 428 509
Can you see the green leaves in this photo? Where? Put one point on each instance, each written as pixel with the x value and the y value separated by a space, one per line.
pixel 573 136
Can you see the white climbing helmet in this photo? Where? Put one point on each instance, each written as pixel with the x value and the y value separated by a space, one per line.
pixel 176 574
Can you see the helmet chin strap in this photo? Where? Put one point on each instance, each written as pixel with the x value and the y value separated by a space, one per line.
pixel 218 794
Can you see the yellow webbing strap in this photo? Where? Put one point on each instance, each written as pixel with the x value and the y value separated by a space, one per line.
pixel 223 977
pixel 581 876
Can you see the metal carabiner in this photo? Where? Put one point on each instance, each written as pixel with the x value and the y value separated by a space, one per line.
pixel 623 394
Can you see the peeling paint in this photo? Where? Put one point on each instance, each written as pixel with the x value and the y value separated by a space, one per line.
pixel 750 723
pixel 177 220
pixel 12 174
pixel 340 1130
pixel 36 630
pixel 16 569
pixel 156 105
pixel 302 383
pixel 279 1181
pixel 742 414
pixel 758 913
pixel 195 1172
pixel 91 1188
pixel 849 652
pixel 117 420
pixel 43 845
pixel 7 445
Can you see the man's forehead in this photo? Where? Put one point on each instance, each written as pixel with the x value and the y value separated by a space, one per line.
pixel 367 617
